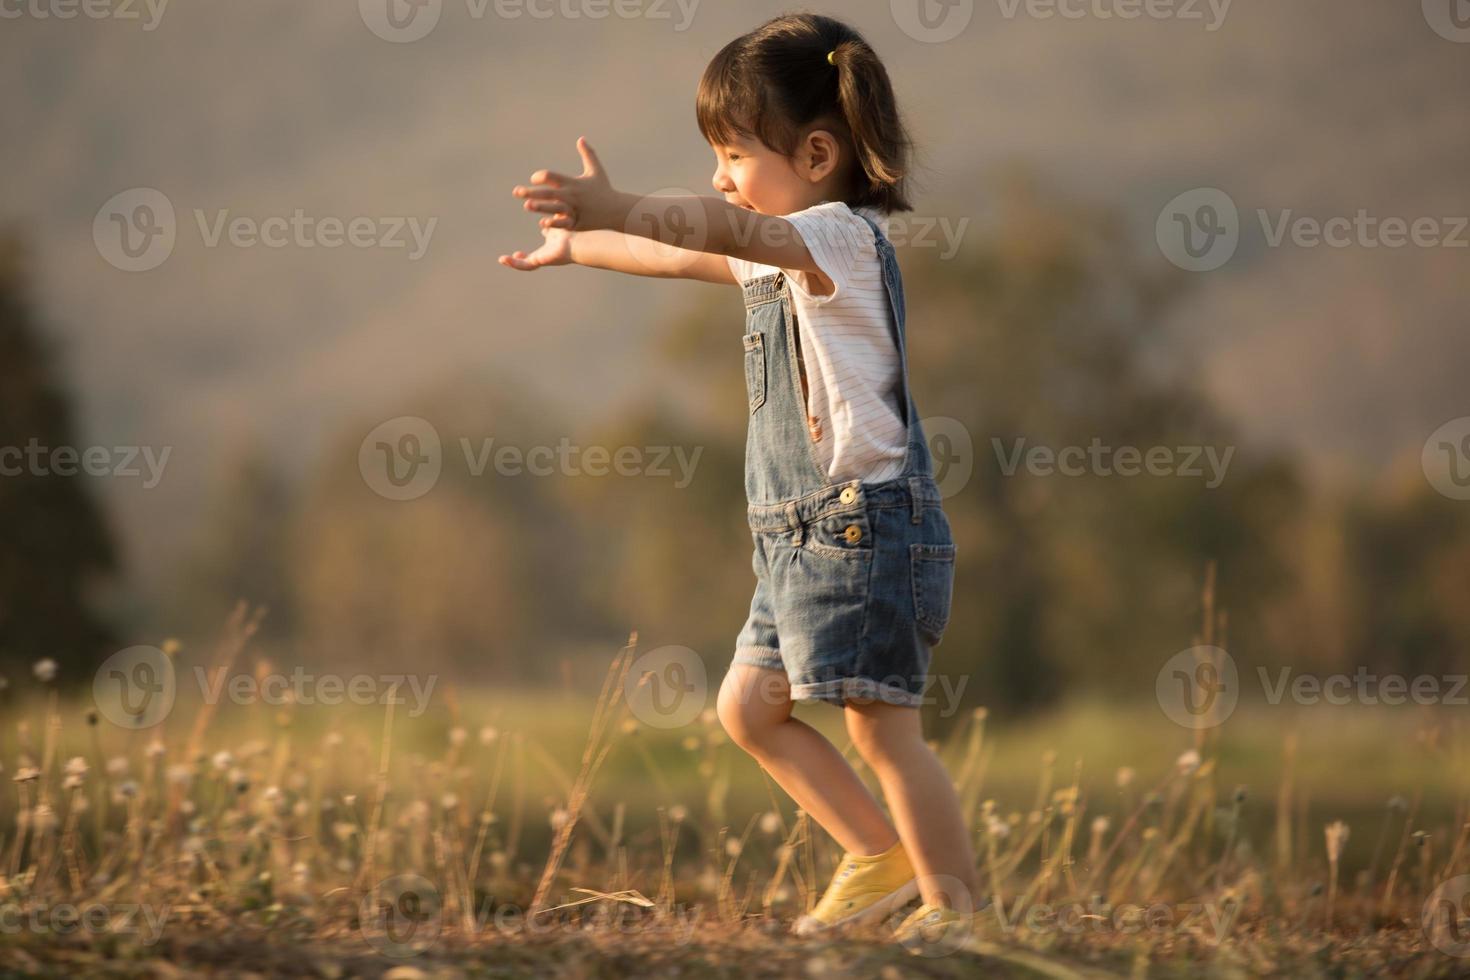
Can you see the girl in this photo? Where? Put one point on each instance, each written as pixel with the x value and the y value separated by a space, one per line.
pixel 853 559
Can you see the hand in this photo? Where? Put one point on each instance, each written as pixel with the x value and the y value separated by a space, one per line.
pixel 584 203
pixel 555 249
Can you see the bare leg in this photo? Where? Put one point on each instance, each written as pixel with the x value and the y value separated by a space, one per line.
pixel 755 708
pixel 921 796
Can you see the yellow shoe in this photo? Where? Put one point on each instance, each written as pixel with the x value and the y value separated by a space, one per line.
pixel 935 925
pixel 865 888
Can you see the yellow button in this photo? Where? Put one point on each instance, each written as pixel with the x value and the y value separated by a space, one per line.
pixel 853 534
pixel 848 495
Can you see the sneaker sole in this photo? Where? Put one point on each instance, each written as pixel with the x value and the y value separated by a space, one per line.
pixel 897 899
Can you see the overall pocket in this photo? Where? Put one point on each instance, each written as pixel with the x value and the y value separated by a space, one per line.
pixel 755 369
pixel 932 567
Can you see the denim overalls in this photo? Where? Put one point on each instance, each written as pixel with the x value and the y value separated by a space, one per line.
pixel 853 580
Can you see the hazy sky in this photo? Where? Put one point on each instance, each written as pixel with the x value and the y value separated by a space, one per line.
pixel 244 112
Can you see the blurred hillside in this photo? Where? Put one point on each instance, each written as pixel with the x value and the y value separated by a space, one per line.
pixel 1041 331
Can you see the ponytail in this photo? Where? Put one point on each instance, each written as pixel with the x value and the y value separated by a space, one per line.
pixel 880 140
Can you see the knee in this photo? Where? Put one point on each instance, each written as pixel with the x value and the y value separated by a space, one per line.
pixel 747 720
pixel 880 746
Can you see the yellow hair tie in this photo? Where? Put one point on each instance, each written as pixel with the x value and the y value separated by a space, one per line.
pixel 832 57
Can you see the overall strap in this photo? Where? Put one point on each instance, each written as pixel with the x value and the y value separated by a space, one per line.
pixel 917 463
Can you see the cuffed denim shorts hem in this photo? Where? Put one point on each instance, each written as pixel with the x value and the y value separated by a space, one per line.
pixel 767 657
pixel 843 689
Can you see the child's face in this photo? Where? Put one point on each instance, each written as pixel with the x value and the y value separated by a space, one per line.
pixel 752 175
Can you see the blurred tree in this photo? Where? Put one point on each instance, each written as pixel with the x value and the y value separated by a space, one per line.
pixel 240 550
pixel 55 546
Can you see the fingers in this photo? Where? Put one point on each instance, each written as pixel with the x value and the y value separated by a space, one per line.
pixel 592 165
pixel 550 207
pixel 520 262
pixel 551 177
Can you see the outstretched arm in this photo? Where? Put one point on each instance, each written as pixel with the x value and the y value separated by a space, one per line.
pixel 688 222
pixel 620 253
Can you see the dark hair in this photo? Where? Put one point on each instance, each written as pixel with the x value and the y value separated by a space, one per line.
pixel 776 83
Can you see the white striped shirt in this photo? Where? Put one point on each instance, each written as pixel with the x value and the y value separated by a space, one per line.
pixel 847 345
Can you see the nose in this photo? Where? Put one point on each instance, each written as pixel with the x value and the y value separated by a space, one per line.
pixel 722 182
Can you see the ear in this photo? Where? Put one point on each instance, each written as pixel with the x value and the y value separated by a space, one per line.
pixel 819 155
